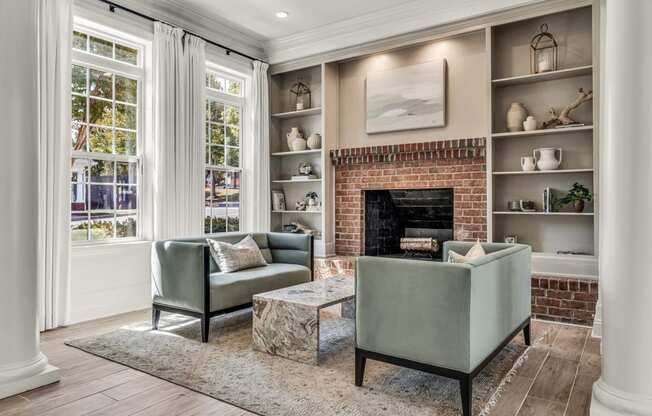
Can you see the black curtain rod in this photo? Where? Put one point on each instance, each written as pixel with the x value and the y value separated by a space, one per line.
pixel 229 51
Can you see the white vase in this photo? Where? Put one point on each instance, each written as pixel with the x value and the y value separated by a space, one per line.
pixel 298 144
pixel 547 159
pixel 530 123
pixel 528 163
pixel 293 134
pixel 516 115
pixel 314 141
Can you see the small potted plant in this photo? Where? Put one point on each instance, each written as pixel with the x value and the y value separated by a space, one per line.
pixel 578 195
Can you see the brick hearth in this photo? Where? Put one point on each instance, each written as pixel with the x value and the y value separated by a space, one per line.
pixel 459 164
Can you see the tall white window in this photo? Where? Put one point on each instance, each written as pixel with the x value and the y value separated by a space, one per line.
pixel 107 78
pixel 224 108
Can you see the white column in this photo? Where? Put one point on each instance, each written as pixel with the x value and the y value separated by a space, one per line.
pixel 625 387
pixel 22 365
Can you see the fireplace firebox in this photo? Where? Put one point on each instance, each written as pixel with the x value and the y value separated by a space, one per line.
pixel 393 214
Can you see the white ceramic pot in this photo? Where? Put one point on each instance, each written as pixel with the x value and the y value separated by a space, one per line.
pixel 298 144
pixel 516 115
pixel 528 163
pixel 530 123
pixel 547 159
pixel 314 141
pixel 293 134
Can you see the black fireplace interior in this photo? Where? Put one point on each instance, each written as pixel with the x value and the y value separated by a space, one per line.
pixel 392 214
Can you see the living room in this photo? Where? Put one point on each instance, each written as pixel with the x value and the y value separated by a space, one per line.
pixel 397 207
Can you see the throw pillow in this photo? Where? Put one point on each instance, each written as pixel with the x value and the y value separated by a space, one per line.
pixel 233 257
pixel 475 252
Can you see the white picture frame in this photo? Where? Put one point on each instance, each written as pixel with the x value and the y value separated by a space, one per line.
pixel 278 200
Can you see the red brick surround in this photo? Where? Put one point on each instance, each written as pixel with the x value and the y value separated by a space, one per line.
pixel 459 164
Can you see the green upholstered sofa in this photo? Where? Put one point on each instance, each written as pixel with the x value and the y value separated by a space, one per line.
pixel 442 318
pixel 186 280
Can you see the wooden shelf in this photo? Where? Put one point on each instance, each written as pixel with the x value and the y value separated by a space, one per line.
pixel 542 132
pixel 301 113
pixel 543 214
pixel 294 211
pixel 297 181
pixel 544 172
pixel 544 76
pixel 300 152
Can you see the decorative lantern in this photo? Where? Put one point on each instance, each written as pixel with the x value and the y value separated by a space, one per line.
pixel 300 95
pixel 543 51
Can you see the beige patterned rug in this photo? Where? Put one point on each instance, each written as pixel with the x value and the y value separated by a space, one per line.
pixel 227 369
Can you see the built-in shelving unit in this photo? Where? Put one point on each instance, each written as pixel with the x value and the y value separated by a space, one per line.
pixel 318 118
pixel 511 81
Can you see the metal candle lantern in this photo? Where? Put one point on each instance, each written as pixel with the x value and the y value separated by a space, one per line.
pixel 300 95
pixel 543 51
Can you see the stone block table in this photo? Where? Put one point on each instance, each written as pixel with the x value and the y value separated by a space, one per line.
pixel 286 321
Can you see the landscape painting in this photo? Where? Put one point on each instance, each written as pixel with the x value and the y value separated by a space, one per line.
pixel 411 97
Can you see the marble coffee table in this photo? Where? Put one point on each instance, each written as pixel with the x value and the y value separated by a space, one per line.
pixel 286 321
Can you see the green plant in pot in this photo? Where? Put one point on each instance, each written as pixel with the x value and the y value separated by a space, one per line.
pixel 577 196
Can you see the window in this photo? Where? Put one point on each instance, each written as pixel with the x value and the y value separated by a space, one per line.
pixel 224 104
pixel 106 105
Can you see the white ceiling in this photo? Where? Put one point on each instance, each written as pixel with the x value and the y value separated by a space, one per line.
pixel 257 17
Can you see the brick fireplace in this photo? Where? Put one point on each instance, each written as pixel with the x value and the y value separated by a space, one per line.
pixel 457 164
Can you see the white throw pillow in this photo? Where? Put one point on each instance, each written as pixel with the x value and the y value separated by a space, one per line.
pixel 475 252
pixel 233 257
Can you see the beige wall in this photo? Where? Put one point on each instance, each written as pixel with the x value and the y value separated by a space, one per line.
pixel 466 95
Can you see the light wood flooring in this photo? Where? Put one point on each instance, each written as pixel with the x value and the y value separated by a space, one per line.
pixel 553 381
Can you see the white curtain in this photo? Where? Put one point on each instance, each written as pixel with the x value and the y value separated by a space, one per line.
pixel 53 253
pixel 260 201
pixel 179 132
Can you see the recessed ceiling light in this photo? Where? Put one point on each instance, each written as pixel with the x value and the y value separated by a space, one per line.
pixel 282 14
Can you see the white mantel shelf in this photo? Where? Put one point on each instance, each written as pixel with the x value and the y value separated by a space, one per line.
pixel 294 211
pixel 298 152
pixel 543 172
pixel 544 76
pixel 297 181
pixel 542 132
pixel 300 113
pixel 544 214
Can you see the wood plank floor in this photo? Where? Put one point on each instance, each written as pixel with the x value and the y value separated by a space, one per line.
pixel 556 380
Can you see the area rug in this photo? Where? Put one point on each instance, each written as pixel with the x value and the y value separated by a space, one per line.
pixel 228 369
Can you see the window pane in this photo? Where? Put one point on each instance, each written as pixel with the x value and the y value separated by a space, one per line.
pixel 126 89
pixel 79 108
pixel 214 82
pixel 126 172
pixel 217 156
pixel 208 154
pixel 78 197
pixel 125 116
pixel 100 140
pixel 101 112
pixel 232 115
pixel 217 112
pixel 101 47
pixel 233 203
pixel 79 227
pixel 79 41
pixel 101 171
pixel 126 54
pixel 79 79
pixel 233 87
pixel 101 84
pixel 217 133
pixel 126 197
pixel 125 225
pixel 101 226
pixel 78 134
pixel 102 198
pixel 233 136
pixel 233 159
pixel 79 170
pixel 208 185
pixel 125 142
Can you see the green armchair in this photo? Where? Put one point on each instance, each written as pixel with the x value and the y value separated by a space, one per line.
pixel 186 280
pixel 442 318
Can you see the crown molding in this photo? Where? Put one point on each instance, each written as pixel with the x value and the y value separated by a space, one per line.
pixel 211 27
pixel 314 47
pixel 409 17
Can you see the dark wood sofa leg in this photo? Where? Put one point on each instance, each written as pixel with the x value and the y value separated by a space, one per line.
pixel 466 390
pixel 156 315
pixel 205 324
pixel 360 361
pixel 527 334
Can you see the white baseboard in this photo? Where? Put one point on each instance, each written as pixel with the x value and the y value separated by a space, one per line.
pixel 608 401
pixel 48 375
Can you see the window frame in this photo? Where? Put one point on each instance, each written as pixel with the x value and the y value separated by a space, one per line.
pixel 240 102
pixel 139 73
